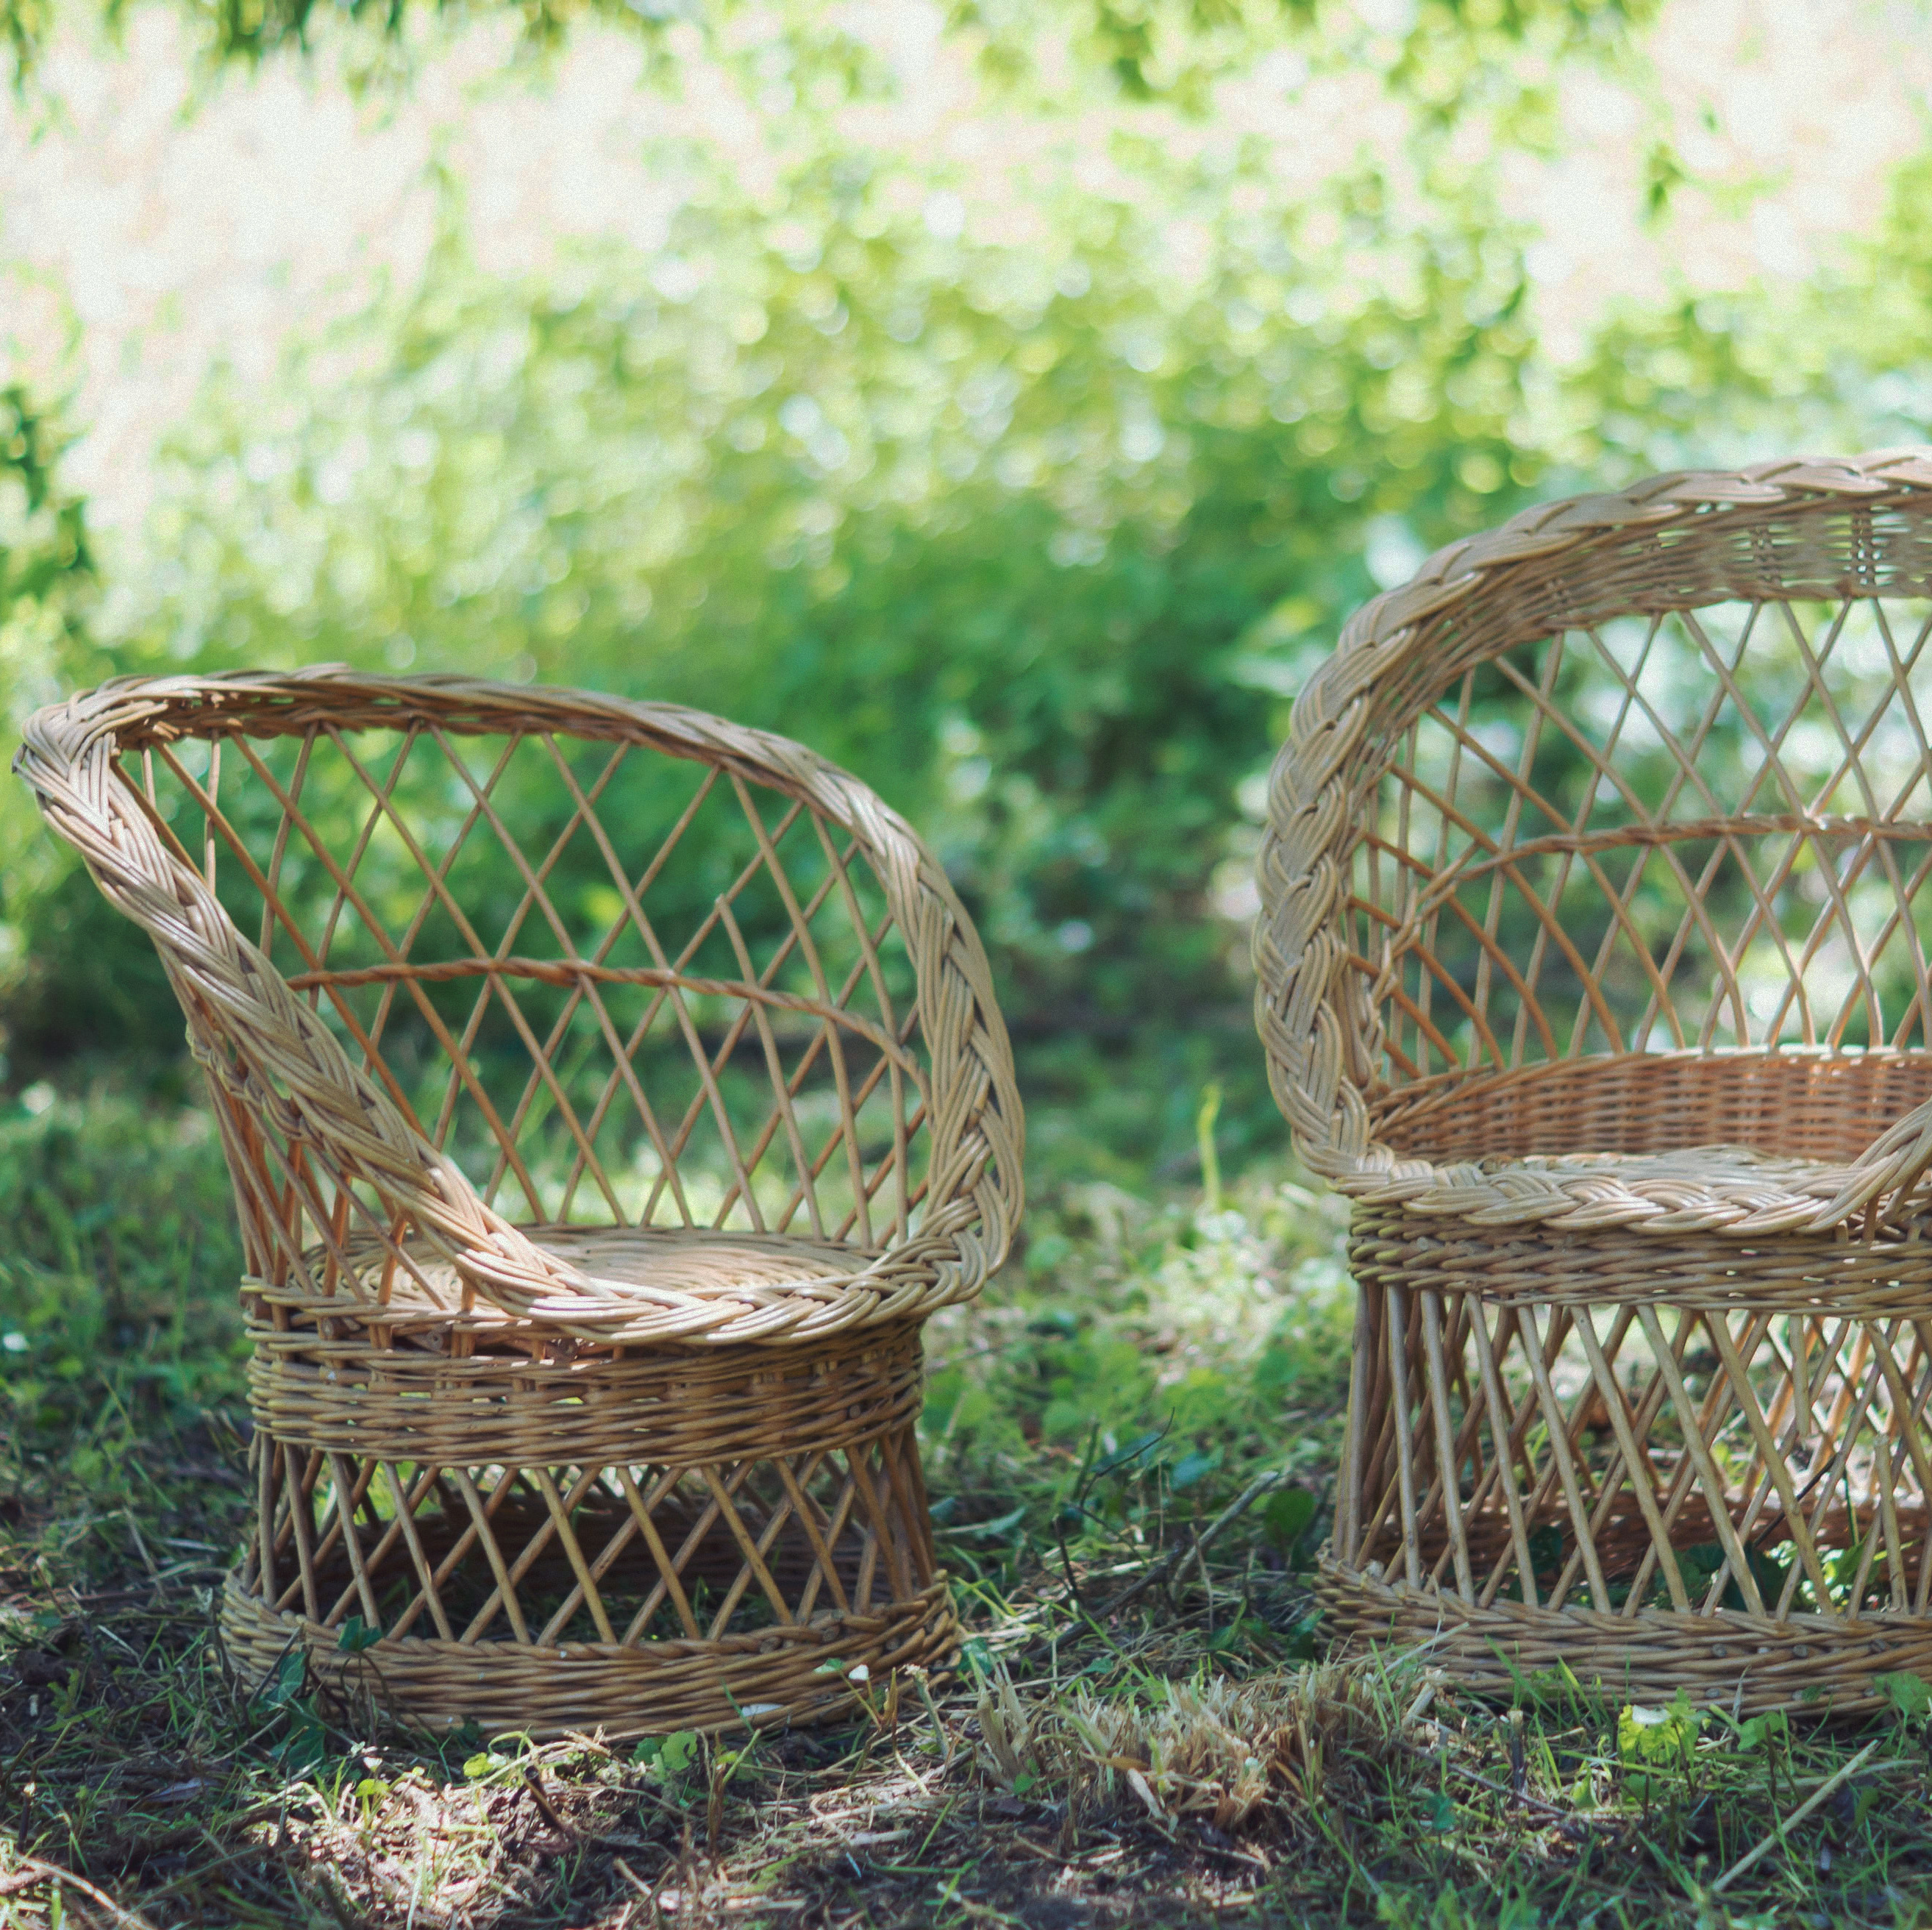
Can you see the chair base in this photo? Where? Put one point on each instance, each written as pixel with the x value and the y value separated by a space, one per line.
pixel 515 1529
pixel 772 1678
pixel 1746 1665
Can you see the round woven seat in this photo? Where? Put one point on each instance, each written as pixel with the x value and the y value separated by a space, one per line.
pixel 1592 968
pixel 630 1283
pixel 594 1188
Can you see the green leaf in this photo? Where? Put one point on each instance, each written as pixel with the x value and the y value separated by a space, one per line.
pixel 1193 1467
pixel 1665 1738
pixel 1911 1695
pixel 670 1756
pixel 1286 1518
pixel 356 1635
pixel 286 1682
pixel 1302 1644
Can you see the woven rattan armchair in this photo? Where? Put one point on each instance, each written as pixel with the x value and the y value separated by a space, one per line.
pixel 1593 969
pixel 609 1094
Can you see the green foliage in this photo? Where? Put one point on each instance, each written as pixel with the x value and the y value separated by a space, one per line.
pixel 1039 530
pixel 1285 1521
pixel 1911 1695
pixel 46 585
pixel 1841 362
pixel 1769 1732
pixel 1444 50
pixel 1658 1747
pixel 118 1324
pixel 1037 540
pixel 1446 55
pixel 667 1757
pixel 356 1635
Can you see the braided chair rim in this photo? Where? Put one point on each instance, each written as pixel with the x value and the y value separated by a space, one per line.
pixel 1319 1047
pixel 68 756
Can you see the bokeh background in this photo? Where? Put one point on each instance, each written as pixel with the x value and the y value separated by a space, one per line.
pixel 1012 403
pixel 1012 399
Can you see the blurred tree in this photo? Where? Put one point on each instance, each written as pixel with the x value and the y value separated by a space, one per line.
pixel 1036 521
pixel 47 592
pixel 1444 52
pixel 1036 538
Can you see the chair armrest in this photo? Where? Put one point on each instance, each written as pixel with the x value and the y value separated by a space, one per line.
pixel 975 1121
pixel 1315 1024
pixel 1884 1175
pixel 261 1044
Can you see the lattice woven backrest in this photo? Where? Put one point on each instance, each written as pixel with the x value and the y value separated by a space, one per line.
pixel 1632 774
pixel 615 964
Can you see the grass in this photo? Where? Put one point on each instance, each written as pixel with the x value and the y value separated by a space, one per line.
pixel 1143 1729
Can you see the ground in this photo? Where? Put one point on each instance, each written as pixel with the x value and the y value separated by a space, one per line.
pixel 1144 1728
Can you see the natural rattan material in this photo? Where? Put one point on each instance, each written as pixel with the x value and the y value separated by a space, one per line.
pixel 593 1186
pixel 1592 966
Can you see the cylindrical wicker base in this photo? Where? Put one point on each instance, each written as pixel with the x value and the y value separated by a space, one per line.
pixel 1746 1663
pixel 1666 1460
pixel 483 1523
pixel 775 1677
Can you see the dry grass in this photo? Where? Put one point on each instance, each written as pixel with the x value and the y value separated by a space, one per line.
pixel 1185 1760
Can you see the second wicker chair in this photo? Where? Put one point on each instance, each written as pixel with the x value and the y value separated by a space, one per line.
pixel 1593 968
pixel 609 1094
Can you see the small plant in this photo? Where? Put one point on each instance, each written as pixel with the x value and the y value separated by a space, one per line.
pixel 304 1746
pixel 1658 1747
pixel 667 1758
pixel 1910 1695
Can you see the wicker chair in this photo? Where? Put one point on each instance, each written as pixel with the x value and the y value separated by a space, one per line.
pixel 593 1186
pixel 1593 969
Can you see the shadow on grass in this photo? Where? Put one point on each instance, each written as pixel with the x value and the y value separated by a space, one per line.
pixel 1185 1760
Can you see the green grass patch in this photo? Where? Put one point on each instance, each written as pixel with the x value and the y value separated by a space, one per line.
pixel 1144 1728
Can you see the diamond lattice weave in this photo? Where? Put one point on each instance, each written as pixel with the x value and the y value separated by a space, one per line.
pixel 1593 966
pixel 610 1092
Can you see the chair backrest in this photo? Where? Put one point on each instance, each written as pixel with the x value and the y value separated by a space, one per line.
pixel 1634 775
pixel 617 963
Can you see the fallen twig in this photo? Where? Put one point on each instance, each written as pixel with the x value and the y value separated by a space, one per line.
pixel 1166 1565
pixel 1522 1796
pixel 554 1816
pixel 1827 1788
pixel 34 1870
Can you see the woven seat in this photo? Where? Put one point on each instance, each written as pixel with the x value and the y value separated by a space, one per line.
pixel 610 1093
pixel 1592 967
pixel 627 1274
